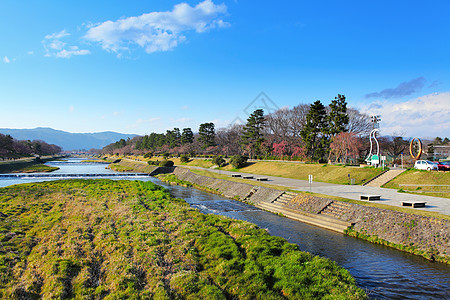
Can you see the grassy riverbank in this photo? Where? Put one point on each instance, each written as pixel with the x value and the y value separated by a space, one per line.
pixel 40 168
pixel 422 182
pixel 338 174
pixel 130 239
pixel 25 165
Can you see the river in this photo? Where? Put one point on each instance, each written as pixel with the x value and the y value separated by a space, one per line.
pixel 384 273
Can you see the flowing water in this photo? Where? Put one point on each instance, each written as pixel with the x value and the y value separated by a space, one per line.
pixel 384 273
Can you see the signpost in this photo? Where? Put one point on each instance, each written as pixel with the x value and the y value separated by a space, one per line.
pixel 310 179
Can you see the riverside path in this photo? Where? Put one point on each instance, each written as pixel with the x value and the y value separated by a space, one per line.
pixel 387 196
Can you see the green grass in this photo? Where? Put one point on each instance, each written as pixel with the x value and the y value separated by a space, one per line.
pixel 421 177
pixel 320 172
pixel 104 239
pixel 37 168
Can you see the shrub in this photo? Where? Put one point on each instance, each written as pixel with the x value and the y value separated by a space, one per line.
pixel 165 155
pixel 166 163
pixel 219 161
pixel 238 161
pixel 184 158
pixel 148 155
pixel 153 162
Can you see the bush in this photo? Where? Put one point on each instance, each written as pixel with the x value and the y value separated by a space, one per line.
pixel 153 162
pixel 165 155
pixel 166 163
pixel 184 158
pixel 148 155
pixel 238 161
pixel 219 161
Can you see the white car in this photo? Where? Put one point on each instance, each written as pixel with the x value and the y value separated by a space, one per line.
pixel 425 165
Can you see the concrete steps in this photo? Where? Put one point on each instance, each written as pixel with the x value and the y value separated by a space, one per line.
pixel 335 209
pixel 385 178
pixel 285 198
pixel 312 219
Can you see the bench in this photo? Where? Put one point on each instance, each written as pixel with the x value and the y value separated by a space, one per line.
pixel 247 177
pixel 369 197
pixel 262 179
pixel 413 204
pixel 235 175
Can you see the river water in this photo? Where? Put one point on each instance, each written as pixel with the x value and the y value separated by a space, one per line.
pixel 384 273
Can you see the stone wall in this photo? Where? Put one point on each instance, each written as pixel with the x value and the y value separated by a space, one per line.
pixel 426 236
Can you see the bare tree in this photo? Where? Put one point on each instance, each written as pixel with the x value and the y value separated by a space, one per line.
pixel 358 123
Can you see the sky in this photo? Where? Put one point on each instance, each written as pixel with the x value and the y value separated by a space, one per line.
pixel 143 66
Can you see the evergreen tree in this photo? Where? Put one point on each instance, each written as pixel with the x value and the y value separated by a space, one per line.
pixel 207 135
pixel 314 133
pixel 252 136
pixel 337 118
pixel 187 137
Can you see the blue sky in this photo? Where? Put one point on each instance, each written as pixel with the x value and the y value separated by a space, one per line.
pixel 147 66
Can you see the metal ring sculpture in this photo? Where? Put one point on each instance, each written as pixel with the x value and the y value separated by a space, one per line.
pixel 419 153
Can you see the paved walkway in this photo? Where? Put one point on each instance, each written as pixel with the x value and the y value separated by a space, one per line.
pixel 388 196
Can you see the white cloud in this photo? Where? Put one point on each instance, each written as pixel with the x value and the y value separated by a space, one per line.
pixel 30 52
pixel 71 108
pixel 158 31
pixel 141 121
pixel 57 35
pixel 184 107
pixel 57 48
pixel 72 51
pixel 6 60
pixel 426 116
pixel 183 120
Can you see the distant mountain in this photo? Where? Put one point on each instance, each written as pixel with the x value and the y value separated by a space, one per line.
pixel 67 140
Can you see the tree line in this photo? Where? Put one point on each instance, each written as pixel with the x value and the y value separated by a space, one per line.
pixel 312 132
pixel 11 148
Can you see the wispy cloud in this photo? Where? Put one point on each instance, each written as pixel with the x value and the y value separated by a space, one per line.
pixel 158 31
pixel 183 120
pixel 139 122
pixel 57 35
pixel 6 60
pixel 434 84
pixel 184 107
pixel 426 116
pixel 55 47
pixel 403 89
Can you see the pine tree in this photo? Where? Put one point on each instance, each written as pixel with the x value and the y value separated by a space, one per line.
pixel 252 137
pixel 314 133
pixel 337 118
pixel 187 137
pixel 207 135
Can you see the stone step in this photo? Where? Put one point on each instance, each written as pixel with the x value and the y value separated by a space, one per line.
pixel 336 209
pixel 312 219
pixel 385 178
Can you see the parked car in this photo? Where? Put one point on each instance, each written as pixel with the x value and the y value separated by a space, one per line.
pixel 425 165
pixel 444 166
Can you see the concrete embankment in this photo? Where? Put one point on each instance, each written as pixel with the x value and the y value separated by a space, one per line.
pixel 425 236
pixel 420 235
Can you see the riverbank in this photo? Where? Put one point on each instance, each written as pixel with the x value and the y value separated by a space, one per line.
pixel 420 235
pixel 417 234
pixel 131 239
pixel 26 165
